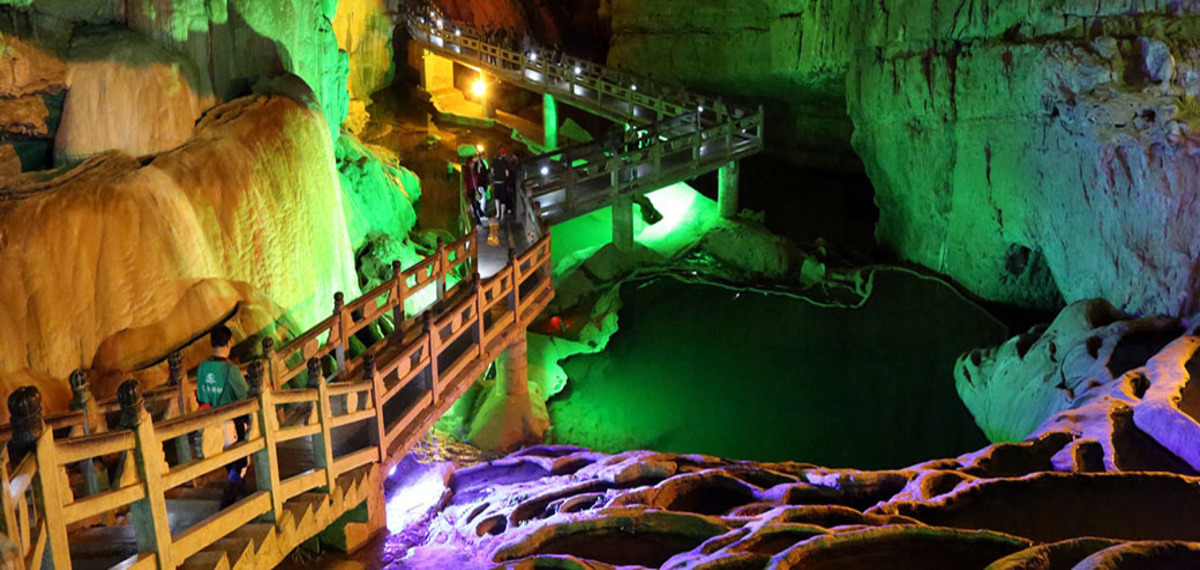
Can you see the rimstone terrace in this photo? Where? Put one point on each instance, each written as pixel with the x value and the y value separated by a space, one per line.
pixel 320 446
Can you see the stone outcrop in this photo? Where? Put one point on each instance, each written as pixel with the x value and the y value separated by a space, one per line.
pixel 166 247
pixel 567 507
pixel 126 93
pixel 1025 154
pixel 33 79
pixel 792 57
pixel 1012 389
pixel 217 50
pixel 1111 478
pixel 1035 152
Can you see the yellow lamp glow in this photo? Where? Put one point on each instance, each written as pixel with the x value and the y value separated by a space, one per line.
pixel 479 88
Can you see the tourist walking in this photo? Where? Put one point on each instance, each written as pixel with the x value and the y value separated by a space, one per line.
pixel 218 383
pixel 473 177
pixel 501 182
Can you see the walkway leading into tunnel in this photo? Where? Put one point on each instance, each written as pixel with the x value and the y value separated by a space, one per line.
pixel 135 482
pixel 673 135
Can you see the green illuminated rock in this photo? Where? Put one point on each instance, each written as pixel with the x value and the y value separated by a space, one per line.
pixel 235 42
pixel 1035 152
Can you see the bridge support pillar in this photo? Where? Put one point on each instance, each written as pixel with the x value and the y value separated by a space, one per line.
pixel 550 121
pixel 727 189
pixel 622 215
pixel 437 73
pixel 510 416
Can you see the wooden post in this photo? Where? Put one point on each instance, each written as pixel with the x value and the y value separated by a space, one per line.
pixel 514 298
pixel 440 268
pixel 150 513
pixel 322 444
pixel 25 417
pixel 9 507
pixel 377 391
pixel 398 301
pixel 28 434
pixel 266 461
pixel 273 366
pixel 478 333
pixel 83 401
pixel 176 377
pixel 340 326
pixel 432 345
pixel 25 408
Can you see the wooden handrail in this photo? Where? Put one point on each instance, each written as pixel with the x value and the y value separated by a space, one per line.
pixel 89 446
pixel 174 428
pixel 404 382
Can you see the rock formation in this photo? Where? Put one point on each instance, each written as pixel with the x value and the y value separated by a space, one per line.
pixel 1035 152
pixel 1111 480
pixel 114 80
pixel 172 245
pixel 181 211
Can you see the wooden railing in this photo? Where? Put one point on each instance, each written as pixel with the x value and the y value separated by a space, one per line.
pixel 369 410
pixel 679 135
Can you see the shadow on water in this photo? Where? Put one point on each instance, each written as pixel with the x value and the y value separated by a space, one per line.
pixel 701 369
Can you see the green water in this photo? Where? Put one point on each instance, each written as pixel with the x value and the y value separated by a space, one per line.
pixel 702 369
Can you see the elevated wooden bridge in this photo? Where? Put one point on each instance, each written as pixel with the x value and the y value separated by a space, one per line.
pixel 121 483
pixel 673 135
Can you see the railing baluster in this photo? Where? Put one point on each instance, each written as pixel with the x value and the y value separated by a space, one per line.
pixel 274 366
pixel 266 461
pixel 477 330
pixel 93 422
pixel 9 507
pixel 378 389
pixel 149 514
pixel 30 434
pixel 322 443
pixel 433 348
pixel 398 300
pixel 514 298
pixel 341 324
pixel 440 268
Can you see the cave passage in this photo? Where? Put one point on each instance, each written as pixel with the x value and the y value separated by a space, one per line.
pixel 704 369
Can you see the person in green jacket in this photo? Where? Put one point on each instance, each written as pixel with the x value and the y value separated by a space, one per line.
pixel 219 382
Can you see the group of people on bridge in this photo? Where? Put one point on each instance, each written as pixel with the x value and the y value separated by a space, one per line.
pixel 500 177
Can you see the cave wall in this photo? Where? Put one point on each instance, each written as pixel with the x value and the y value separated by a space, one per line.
pixel 1036 152
pixel 181 199
pixel 230 44
pixel 115 262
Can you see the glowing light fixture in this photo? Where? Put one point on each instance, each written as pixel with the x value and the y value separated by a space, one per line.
pixel 411 501
pixel 700 108
pixel 479 88
pixel 439 24
pixel 634 87
pixel 533 56
pixel 545 171
pixel 479 148
pixel 578 70
pixel 458 32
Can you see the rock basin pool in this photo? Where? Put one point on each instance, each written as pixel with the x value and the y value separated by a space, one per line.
pixel 703 369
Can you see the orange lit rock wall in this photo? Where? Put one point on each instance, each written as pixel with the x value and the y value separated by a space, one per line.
pixel 136 258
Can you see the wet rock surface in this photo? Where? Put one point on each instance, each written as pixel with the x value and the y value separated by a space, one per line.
pixel 1108 480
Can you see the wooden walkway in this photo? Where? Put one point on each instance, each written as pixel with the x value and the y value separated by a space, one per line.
pixel 136 482
pixel 676 135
